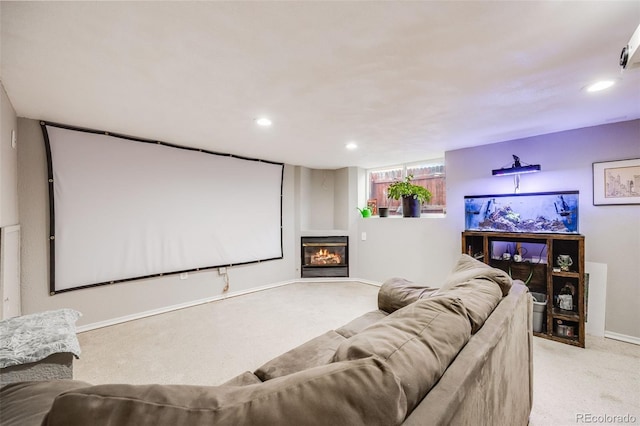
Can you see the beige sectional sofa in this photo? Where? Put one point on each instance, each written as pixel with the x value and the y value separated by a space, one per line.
pixel 457 355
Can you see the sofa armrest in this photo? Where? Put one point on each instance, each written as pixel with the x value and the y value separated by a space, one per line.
pixel 27 403
pixel 491 378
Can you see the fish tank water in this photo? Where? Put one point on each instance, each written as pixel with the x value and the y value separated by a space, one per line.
pixel 540 212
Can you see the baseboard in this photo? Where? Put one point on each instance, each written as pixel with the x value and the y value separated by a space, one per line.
pixel 170 308
pixel 166 309
pixel 373 283
pixel 338 279
pixel 622 337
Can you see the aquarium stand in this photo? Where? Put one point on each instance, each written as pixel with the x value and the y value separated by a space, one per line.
pixel 549 264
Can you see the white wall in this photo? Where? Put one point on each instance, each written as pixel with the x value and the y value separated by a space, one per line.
pixel 342 200
pixel 420 249
pixel 326 202
pixel 612 233
pixel 8 195
pixel 322 197
pixel 328 198
pixel 109 302
pixel 8 163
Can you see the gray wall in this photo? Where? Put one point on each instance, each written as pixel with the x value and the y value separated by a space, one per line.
pixel 612 233
pixel 424 250
pixel 105 303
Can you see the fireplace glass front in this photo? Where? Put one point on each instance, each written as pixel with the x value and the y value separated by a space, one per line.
pixel 325 257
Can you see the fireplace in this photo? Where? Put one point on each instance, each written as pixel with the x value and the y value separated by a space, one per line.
pixel 325 257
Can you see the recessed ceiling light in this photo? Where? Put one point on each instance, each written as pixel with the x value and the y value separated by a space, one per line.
pixel 600 85
pixel 351 146
pixel 263 121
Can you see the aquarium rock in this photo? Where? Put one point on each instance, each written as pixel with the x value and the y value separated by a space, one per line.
pixel 505 219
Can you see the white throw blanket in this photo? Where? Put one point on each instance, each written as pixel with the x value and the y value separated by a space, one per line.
pixel 31 338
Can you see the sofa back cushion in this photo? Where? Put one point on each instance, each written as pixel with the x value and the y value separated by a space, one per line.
pixel 479 286
pixel 479 297
pixel 468 268
pixel 313 353
pixel 355 326
pixel 361 392
pixel 243 379
pixel 417 342
pixel 396 293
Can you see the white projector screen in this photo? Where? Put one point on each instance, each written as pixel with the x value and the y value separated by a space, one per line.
pixel 123 208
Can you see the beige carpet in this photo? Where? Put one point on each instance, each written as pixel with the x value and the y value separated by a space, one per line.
pixel 211 343
pixel 573 384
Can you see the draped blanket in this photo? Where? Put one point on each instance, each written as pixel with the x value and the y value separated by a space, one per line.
pixel 31 338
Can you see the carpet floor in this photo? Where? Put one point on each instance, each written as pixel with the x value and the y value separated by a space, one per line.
pixel 213 342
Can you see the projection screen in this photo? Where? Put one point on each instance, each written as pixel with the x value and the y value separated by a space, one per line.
pixel 124 208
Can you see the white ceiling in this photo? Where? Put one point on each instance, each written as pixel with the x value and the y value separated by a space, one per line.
pixel 407 81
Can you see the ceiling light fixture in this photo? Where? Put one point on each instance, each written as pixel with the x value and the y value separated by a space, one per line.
pixel 600 85
pixel 263 121
pixel 351 146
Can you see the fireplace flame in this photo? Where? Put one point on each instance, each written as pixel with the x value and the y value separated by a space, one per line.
pixel 325 257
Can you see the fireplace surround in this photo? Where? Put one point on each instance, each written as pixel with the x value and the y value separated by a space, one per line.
pixel 325 256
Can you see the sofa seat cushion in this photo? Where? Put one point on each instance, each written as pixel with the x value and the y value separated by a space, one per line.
pixel 360 392
pixel 417 342
pixel 27 403
pixel 396 293
pixel 315 352
pixel 357 325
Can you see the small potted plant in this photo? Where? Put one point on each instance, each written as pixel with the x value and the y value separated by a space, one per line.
pixel 412 196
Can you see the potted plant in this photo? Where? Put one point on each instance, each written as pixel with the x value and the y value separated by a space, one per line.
pixel 412 196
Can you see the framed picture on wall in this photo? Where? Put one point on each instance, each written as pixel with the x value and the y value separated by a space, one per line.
pixel 616 182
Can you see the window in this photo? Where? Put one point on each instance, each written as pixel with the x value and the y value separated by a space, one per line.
pixel 430 174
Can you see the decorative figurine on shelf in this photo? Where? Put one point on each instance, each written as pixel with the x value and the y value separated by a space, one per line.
pixel 564 261
pixel 565 298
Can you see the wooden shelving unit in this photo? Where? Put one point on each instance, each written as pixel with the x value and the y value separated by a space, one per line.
pixel 540 271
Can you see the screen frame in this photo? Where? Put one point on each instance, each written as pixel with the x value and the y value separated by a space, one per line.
pixel 52 219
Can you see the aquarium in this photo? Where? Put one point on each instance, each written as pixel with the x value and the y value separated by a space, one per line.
pixel 541 212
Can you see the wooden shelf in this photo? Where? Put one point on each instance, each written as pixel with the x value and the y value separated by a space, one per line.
pixel 565 315
pixel 568 340
pixel 538 273
pixel 569 274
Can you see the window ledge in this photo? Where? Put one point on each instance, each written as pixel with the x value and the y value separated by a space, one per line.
pixel 423 216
